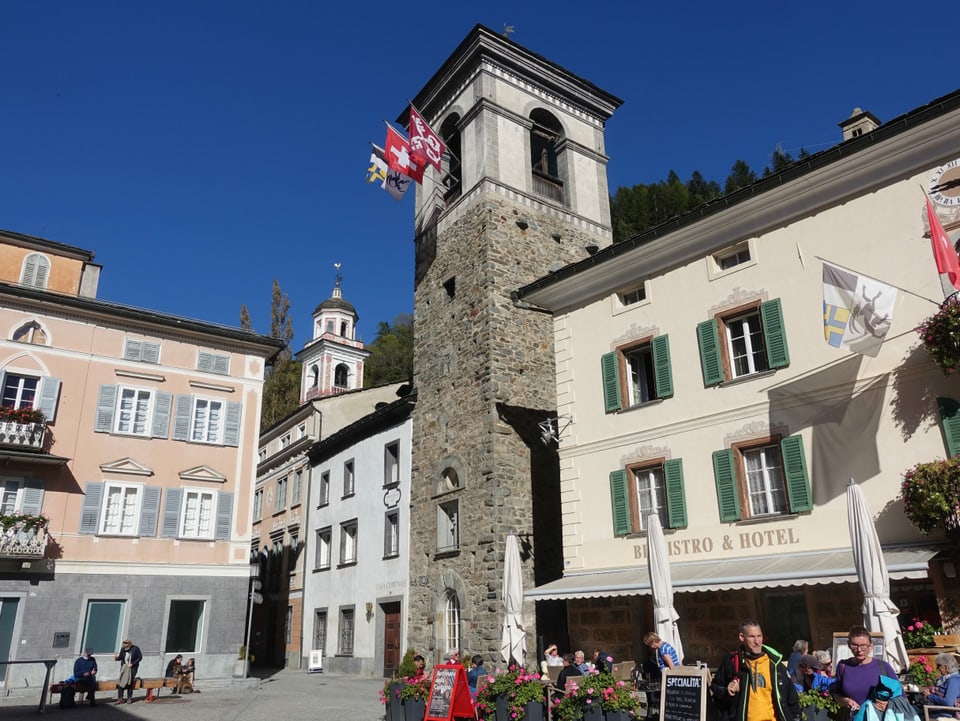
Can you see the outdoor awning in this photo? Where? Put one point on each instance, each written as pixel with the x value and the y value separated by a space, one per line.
pixel 797 569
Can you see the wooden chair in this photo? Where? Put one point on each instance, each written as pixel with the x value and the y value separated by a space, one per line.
pixel 553 672
pixel 938 712
pixel 623 671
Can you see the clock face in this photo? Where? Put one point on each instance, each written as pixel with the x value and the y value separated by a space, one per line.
pixel 945 184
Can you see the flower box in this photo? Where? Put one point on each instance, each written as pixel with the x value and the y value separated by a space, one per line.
pixel 946 640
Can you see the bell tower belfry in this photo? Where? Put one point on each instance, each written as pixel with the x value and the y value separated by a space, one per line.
pixel 523 192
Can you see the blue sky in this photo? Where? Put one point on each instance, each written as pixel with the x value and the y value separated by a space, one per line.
pixel 203 148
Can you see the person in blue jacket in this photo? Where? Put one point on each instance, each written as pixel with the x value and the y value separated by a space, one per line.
pixel 947 690
pixel 85 675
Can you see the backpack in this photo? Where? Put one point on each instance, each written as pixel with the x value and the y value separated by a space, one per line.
pixel 68 696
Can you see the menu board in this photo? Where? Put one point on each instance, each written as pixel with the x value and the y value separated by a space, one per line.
pixel 449 694
pixel 683 695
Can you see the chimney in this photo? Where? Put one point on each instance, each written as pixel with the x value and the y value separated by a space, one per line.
pixel 859 122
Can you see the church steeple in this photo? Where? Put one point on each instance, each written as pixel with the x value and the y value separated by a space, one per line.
pixel 333 358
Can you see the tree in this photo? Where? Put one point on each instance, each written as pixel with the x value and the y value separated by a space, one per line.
pixel 391 353
pixel 281 388
pixel 245 323
pixel 740 177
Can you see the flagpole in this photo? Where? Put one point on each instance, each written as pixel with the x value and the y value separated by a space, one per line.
pixel 866 275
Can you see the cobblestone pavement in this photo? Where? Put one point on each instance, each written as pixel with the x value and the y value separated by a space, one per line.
pixel 283 696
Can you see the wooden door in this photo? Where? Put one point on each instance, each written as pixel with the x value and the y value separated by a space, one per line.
pixel 391 638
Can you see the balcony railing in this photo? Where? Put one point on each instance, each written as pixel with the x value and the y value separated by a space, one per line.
pixel 22 542
pixel 26 436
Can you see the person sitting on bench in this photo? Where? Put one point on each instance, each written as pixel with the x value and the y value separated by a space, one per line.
pixel 85 675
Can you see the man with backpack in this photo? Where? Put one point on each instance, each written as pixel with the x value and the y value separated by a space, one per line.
pixel 751 684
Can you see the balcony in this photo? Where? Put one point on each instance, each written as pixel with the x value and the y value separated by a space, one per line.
pixel 23 536
pixel 22 436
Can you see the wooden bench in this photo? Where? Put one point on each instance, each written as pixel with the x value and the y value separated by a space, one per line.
pixel 150 684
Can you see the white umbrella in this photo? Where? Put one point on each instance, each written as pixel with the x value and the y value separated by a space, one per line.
pixel 512 640
pixel 665 616
pixel 879 612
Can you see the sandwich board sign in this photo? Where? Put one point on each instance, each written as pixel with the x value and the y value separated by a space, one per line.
pixel 449 694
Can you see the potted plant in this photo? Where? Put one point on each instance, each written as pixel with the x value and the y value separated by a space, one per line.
pixel 940 333
pixel 922 672
pixel 931 496
pixel 582 699
pixel 617 698
pixel 24 522
pixel 920 634
pixel 818 705
pixel 390 694
pixel 21 415
pixel 510 695
pixel 413 696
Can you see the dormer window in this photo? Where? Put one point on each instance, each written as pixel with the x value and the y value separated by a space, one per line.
pixel 36 269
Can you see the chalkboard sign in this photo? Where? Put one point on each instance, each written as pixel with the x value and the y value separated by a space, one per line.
pixel 449 694
pixel 683 694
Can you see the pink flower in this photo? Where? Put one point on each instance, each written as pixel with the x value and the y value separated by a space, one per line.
pixel 928 669
pixel 919 625
pixel 589 701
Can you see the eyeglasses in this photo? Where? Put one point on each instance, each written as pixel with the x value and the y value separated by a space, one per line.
pixel 860 645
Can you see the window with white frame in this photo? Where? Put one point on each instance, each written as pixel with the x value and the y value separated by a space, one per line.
pixel 348 478
pixel 121 509
pixel 134 409
pixel 348 542
pixel 731 258
pixel 763 467
pixel 323 490
pixel 258 505
pixel 207 424
pixel 324 537
pixel 185 626
pixel 301 430
pixel 21 496
pixel 103 625
pixel 297 486
pixel 198 513
pixel 743 341
pixel 10 496
pixel 391 534
pixel 281 502
pixel 651 494
pixel 345 647
pixel 35 270
pixel 30 332
pixel 448 533
pixel 451 621
pixel 391 463
pixel 745 344
pixel 19 391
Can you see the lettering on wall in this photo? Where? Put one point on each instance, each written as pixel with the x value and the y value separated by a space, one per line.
pixel 770 538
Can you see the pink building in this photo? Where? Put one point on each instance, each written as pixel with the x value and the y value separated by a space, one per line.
pixel 127 460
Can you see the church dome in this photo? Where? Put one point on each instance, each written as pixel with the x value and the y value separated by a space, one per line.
pixel 335 303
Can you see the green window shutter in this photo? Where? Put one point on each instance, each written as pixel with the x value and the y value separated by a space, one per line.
pixel 728 492
pixel 610 367
pixel 676 497
pixel 661 366
pixel 620 502
pixel 950 423
pixel 795 472
pixel 774 334
pixel 710 364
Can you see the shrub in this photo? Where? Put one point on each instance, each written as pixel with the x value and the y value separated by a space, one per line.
pixel 919 634
pixel 940 333
pixel 820 699
pixel 592 689
pixel 518 686
pixel 931 495
pixel 923 673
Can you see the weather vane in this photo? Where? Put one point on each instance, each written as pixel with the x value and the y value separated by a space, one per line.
pixel 339 274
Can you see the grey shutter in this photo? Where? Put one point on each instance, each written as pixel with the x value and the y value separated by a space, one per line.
pixel 610 371
pixel 43 267
pixel 29 270
pixel 660 349
pixel 106 406
pixel 795 474
pixel 620 503
pixel 204 361
pixel 181 418
pixel 32 497
pixel 709 342
pixel 161 415
pixel 133 350
pixel 774 334
pixel 221 364
pixel 231 428
pixel 950 424
pixel 151 352
pixel 213 363
pixel 149 511
pixel 49 392
pixel 90 512
pixel 171 513
pixel 676 497
pixel 224 516
pixel 728 489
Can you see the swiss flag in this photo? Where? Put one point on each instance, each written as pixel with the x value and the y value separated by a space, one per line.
pixel 398 156
pixel 425 145
pixel 948 265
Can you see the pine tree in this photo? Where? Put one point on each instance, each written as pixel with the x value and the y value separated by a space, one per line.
pixel 281 389
pixel 391 353
pixel 245 323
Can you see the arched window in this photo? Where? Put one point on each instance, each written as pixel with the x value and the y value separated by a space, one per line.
pixel 30 332
pixel 340 374
pixel 452 176
pixel 35 270
pixel 451 621
pixel 545 136
pixel 344 326
pixel 314 376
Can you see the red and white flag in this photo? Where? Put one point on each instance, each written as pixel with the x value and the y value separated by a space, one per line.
pixel 425 145
pixel 948 265
pixel 398 155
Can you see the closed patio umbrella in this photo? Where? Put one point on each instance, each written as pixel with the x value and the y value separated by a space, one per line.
pixel 879 612
pixel 665 616
pixel 512 639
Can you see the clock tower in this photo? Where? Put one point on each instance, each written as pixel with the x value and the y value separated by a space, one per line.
pixel 523 193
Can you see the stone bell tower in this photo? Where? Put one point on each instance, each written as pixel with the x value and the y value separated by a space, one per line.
pixel 523 193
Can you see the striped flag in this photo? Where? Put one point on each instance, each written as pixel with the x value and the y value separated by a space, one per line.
pixel 393 181
pixel 857 310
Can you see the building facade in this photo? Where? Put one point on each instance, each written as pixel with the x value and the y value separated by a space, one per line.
pixel 129 492
pixel 696 382
pixel 524 190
